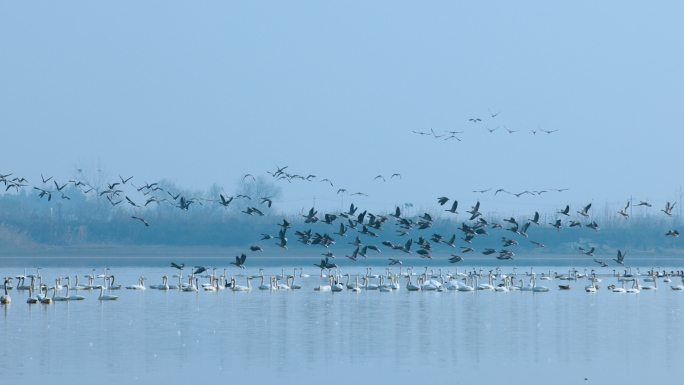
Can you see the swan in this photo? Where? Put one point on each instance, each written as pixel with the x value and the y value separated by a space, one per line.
pixel 139 286
pixel 73 297
pixel 356 288
pixel 678 287
pixel 48 300
pixel 395 283
pixel 5 298
pixel 337 287
pixel 410 286
pixel 503 288
pixel 261 274
pixel 620 289
pixel 655 284
pixel 529 286
pixel 263 286
pixel 538 289
pixel 464 286
pixel 282 286
pixel 236 287
pixel 31 298
pixel 61 297
pixel 292 285
pixel 80 286
pixel 324 287
pixel 486 286
pixel 370 286
pixel 191 286
pixel 635 287
pixel 301 273
pixel 105 297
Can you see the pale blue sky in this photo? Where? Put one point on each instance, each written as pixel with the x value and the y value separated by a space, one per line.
pixel 204 93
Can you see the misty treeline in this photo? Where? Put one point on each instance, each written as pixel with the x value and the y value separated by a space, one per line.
pixel 74 218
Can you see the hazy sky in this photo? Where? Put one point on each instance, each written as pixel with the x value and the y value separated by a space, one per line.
pixel 206 92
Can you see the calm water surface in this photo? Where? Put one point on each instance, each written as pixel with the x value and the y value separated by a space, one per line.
pixel 306 337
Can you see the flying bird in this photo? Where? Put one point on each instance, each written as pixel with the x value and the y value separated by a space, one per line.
pixel 239 261
pixel 620 258
pixel 623 212
pixel 584 211
pixel 142 220
pixel 668 208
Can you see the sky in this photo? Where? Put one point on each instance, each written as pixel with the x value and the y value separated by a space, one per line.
pixel 206 93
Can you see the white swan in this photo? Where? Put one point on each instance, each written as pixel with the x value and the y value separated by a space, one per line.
pixel 236 287
pixel 635 288
pixel 31 298
pixel 105 297
pixel 620 289
pixel 139 286
pixel 292 285
pixel 324 287
pixel 48 300
pixel 5 298
pixel 301 273
pixel 263 286
pixel 410 286
pixel 678 287
pixel 655 284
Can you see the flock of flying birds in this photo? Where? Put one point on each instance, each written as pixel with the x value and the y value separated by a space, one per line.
pixel 364 223
pixel 446 135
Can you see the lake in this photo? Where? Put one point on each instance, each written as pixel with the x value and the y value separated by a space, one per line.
pixel 306 337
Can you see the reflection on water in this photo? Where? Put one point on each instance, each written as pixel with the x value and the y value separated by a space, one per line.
pixel 310 337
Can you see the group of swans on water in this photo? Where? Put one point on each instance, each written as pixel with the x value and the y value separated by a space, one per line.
pixel 386 282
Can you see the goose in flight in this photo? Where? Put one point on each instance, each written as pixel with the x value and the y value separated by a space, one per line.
pixel 548 132
pixel 342 231
pixel 493 114
pixel 399 175
pixel 240 261
pixel 142 220
pixel 535 220
pixel 474 120
pixel 557 224
pixel 603 264
pixel 623 212
pixel 539 245
pixel 266 200
pixel 668 208
pixel 283 240
pixel 394 261
pixel 442 200
pixel 510 131
pixel 620 258
pixel 593 225
pixel 565 211
pixel 256 248
pixel 589 252
pixel 455 259
pixel 642 203
pixel 453 207
pixel 575 224
pixel 584 211
pixel 674 233
pixel 380 177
